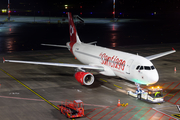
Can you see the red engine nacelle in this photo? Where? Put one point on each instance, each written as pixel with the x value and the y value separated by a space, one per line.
pixel 85 78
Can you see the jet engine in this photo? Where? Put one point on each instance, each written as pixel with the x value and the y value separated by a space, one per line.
pixel 85 78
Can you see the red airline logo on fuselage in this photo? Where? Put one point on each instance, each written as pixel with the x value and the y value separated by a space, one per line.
pixel 113 61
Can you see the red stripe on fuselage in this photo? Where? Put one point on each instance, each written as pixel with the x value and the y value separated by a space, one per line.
pixel 71 44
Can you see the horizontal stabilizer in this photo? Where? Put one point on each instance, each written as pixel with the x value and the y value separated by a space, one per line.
pixel 54 45
pixel 92 42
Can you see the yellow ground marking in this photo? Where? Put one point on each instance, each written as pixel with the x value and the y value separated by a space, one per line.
pixel 169 95
pixel 176 115
pixel 30 89
pixel 103 80
pixel 159 104
pixel 117 86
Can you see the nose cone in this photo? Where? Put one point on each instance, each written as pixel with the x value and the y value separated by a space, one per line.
pixel 154 77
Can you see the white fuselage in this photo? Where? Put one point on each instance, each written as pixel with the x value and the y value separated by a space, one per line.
pixel 117 63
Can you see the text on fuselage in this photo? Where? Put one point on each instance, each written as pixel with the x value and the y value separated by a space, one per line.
pixel 113 61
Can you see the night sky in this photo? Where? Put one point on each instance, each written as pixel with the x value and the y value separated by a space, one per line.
pixel 128 7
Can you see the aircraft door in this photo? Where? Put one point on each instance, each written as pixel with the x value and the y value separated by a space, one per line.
pixel 128 65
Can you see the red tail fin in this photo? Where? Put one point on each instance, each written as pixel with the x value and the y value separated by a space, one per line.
pixel 72 30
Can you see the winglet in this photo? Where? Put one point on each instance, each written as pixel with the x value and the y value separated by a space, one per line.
pixel 3 60
pixel 173 48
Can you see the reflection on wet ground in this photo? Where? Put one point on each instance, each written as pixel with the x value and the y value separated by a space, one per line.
pixel 29 36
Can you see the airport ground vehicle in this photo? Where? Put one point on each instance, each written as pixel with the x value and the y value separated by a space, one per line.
pixel 153 94
pixel 72 109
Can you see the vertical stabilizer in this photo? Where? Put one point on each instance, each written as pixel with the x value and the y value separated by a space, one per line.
pixel 74 38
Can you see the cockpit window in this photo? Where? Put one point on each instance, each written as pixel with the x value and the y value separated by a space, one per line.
pixel 137 67
pixel 152 67
pixel 147 68
pixel 141 68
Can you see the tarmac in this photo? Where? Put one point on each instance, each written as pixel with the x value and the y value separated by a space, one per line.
pixel 32 92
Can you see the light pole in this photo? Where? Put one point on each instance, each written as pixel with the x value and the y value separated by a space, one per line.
pixel 114 9
pixel 9 10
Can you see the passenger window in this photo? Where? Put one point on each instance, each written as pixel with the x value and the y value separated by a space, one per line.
pixel 137 67
pixel 147 68
pixel 141 68
pixel 152 67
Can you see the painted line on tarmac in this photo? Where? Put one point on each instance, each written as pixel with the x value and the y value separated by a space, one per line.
pixel 117 86
pixel 106 87
pixel 40 100
pixel 29 89
pixel 145 113
pixel 164 113
pixel 103 80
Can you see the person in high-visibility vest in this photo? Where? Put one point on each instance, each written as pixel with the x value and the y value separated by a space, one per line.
pixel 157 93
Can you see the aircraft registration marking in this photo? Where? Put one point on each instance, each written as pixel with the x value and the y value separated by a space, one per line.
pixel 29 89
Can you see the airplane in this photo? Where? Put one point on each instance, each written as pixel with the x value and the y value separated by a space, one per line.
pixel 108 62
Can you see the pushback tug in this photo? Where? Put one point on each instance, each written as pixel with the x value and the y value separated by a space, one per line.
pixel 71 109
pixel 153 94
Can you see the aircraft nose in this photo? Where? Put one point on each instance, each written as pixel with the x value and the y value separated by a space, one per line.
pixel 154 77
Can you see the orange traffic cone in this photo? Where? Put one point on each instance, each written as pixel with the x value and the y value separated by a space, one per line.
pixel 174 69
pixel 119 104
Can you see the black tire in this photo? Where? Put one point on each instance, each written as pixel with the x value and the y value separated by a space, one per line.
pixel 139 96
pixel 66 115
pixel 60 111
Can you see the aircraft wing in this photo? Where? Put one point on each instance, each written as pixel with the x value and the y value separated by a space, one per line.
pixel 152 57
pixel 58 64
pixel 55 45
